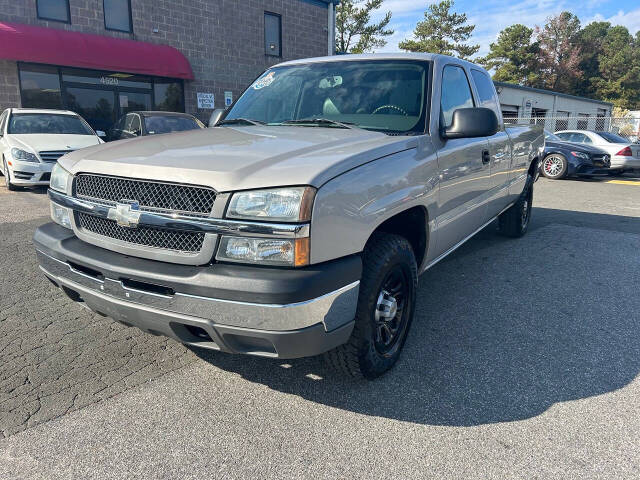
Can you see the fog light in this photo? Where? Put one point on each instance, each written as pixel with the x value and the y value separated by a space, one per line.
pixel 265 251
pixel 61 215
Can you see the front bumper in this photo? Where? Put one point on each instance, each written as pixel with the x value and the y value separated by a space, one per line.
pixel 273 312
pixel 29 173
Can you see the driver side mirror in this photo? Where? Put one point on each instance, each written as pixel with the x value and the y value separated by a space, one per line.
pixel 471 123
pixel 215 116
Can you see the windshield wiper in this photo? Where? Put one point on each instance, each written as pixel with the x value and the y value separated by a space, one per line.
pixel 321 122
pixel 244 121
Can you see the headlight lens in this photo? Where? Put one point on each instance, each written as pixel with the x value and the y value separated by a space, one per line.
pixel 59 178
pixel 61 215
pixel 265 251
pixel 290 204
pixel 584 156
pixel 23 155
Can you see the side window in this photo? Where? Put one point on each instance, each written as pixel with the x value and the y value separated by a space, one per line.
pixel 564 136
pixel 272 34
pixel 57 10
pixel 117 15
pixel 486 90
pixel 585 139
pixel 455 94
pixel 135 125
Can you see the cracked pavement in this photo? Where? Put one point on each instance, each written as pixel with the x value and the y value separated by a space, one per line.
pixel 522 362
pixel 57 356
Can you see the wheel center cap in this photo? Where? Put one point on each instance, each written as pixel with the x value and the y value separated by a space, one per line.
pixel 386 308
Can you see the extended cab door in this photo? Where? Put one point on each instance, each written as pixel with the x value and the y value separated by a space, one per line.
pixel 463 164
pixel 499 146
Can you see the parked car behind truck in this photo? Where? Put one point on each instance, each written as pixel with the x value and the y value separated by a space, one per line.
pixel 32 140
pixel 299 225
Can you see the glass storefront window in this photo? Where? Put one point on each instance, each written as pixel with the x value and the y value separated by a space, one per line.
pixel 130 101
pixel 169 96
pixel 100 97
pixel 97 107
pixel 40 87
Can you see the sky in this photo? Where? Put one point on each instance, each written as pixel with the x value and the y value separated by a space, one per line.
pixel 491 16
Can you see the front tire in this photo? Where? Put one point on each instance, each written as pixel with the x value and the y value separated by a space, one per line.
pixel 7 178
pixel 554 166
pixel 514 222
pixel 386 304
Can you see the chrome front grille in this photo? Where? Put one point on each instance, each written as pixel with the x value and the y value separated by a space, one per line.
pixel 178 241
pixel 150 195
pixel 52 156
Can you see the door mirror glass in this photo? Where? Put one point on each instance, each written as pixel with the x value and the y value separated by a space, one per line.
pixel 215 116
pixel 101 133
pixel 472 123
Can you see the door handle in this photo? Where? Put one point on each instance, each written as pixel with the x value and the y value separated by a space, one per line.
pixel 486 157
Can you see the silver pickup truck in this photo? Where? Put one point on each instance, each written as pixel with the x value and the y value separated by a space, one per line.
pixel 299 224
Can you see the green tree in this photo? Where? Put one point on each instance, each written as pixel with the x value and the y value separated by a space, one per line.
pixel 619 69
pixel 559 52
pixel 354 31
pixel 442 32
pixel 590 40
pixel 513 57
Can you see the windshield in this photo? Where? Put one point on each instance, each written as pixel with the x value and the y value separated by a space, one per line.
pixel 388 96
pixel 156 124
pixel 551 137
pixel 613 138
pixel 27 123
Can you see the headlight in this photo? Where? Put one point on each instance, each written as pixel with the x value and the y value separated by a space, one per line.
pixel 23 156
pixel 264 251
pixel 584 156
pixel 290 204
pixel 61 215
pixel 59 178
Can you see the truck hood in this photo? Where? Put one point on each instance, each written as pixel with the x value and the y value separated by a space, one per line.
pixel 47 142
pixel 239 158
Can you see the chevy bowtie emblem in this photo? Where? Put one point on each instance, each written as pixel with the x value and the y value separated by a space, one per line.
pixel 125 214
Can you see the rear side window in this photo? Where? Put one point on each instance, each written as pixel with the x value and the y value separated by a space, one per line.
pixel 456 93
pixel 486 91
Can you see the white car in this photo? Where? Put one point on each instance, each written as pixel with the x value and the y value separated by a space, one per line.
pixel 625 155
pixel 31 141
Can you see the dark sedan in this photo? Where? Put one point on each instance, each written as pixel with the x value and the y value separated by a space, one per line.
pixel 565 158
pixel 137 124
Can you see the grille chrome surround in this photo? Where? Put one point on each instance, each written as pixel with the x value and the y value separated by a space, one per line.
pixel 152 196
pixel 177 241
pixel 52 156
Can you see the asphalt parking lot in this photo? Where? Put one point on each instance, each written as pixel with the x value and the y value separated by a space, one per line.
pixel 522 362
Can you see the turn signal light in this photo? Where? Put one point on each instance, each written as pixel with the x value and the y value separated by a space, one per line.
pixel 625 152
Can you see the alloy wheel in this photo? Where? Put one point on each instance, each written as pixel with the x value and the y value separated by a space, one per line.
pixel 553 166
pixel 389 315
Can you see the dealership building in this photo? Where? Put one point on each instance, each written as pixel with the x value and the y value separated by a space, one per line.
pixel 102 58
pixel 556 111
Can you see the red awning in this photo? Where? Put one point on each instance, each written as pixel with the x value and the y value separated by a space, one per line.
pixel 58 47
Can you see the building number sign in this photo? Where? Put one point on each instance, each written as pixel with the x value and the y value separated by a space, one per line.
pixel 109 80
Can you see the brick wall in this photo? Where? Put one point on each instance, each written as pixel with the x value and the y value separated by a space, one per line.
pixel 9 93
pixel 223 39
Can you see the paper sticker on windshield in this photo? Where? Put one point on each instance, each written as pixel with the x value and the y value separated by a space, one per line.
pixel 264 81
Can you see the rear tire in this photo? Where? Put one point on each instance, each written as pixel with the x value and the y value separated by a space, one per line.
pixel 386 304
pixel 554 166
pixel 514 222
pixel 7 178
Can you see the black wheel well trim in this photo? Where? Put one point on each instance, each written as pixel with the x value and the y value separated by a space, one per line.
pixel 400 224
